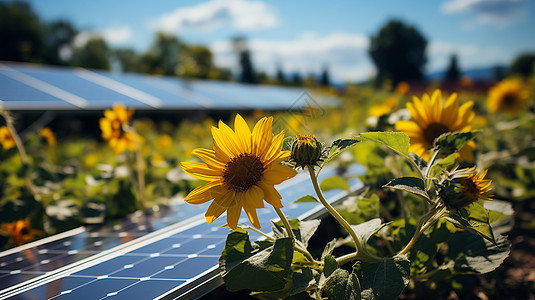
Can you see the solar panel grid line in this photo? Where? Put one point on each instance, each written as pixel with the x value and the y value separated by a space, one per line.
pixel 119 87
pixel 42 241
pixel 121 249
pixel 43 86
pixel 212 279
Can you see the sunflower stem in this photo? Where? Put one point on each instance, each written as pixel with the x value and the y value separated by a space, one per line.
pixel 425 221
pixel 429 167
pixel 22 152
pixel 332 211
pixel 284 220
pixel 140 166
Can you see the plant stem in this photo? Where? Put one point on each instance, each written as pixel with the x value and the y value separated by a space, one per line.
pixel 261 233
pixel 284 220
pixel 425 221
pixel 332 211
pixel 22 152
pixel 140 166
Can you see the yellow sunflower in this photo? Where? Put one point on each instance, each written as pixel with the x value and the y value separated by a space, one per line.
pixel 20 231
pixel 112 126
pixel 48 134
pixel 508 96
pixel 6 138
pixel 464 187
pixel 242 169
pixel 384 108
pixel 431 117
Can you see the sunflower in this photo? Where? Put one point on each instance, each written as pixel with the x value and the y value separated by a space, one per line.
pixel 242 169
pixel 431 118
pixel 508 96
pixel 20 231
pixel 48 134
pixel 6 138
pixel 462 187
pixel 113 124
pixel 384 108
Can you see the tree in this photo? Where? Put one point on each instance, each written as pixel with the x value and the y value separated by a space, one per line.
pixel 523 64
pixel 281 78
pixel 325 79
pixel 195 62
pixel 398 52
pixel 128 59
pixel 297 80
pixel 20 32
pixel 163 56
pixel 94 54
pixel 453 73
pixel 247 72
pixel 59 37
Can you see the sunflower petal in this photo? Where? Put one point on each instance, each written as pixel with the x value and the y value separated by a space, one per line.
pixel 255 197
pixel 276 174
pixel 205 192
pixel 243 133
pixel 262 136
pixel 271 195
pixel 250 210
pixel 209 157
pixel 201 171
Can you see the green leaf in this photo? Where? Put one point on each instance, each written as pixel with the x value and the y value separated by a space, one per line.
pixel 426 247
pixel 474 218
pixel 244 265
pixel 328 250
pixel 307 198
pixel 366 208
pixel 420 162
pixel 367 229
pixel 451 142
pixel 342 285
pixel 412 185
pixel 339 146
pixel 397 141
pixel 385 279
pixel 329 265
pixel 303 230
pixel 473 254
pixel 334 182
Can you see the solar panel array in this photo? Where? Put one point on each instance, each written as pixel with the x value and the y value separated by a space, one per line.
pixel 174 261
pixel 35 87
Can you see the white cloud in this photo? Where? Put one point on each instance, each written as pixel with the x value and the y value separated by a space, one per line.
pixel 117 35
pixel 345 54
pixel 211 15
pixel 113 36
pixel 495 12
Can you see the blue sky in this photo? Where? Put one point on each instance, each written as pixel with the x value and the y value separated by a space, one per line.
pixel 305 35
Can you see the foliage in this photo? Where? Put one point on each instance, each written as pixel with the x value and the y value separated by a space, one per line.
pixel 398 52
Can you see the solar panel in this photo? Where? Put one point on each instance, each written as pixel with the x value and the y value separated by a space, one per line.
pixel 180 259
pixel 25 86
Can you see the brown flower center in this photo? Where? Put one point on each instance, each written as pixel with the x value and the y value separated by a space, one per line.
pixel 434 130
pixel 471 189
pixel 509 100
pixel 243 171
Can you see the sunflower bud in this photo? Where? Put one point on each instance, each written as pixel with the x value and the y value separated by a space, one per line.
pixel 306 151
pixel 461 188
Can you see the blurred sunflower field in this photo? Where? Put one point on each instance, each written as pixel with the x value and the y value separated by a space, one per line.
pixel 479 145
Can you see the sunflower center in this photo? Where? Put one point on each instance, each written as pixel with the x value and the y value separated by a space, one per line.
pixel 434 130
pixel 471 189
pixel 243 171
pixel 509 100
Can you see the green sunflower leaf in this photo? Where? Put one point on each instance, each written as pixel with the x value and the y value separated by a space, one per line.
pixel 397 141
pixel 303 230
pixel 385 279
pixel 337 147
pixel 451 142
pixel 244 265
pixel 342 285
pixel 334 182
pixel 412 185
pixel 474 218
pixel 307 198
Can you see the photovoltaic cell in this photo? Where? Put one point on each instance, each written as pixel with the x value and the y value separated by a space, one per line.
pixel 26 86
pixel 169 263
